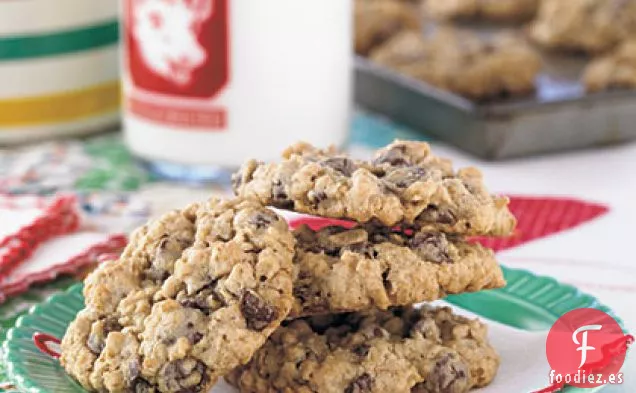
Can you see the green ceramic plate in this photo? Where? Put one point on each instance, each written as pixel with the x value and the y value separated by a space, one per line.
pixel 528 302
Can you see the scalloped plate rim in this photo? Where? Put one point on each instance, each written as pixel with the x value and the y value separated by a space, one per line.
pixel 26 385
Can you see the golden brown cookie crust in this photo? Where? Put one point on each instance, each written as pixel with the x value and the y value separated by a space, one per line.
pixel 463 63
pixel 339 270
pixel 589 26
pixel 402 350
pixel 194 295
pixel 616 70
pixel 404 184
pixel 376 21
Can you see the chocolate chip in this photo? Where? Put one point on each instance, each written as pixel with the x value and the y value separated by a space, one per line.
pixel 194 337
pixel 111 325
pixel 449 375
pixel 432 247
pixel 97 339
pixel 386 282
pixel 446 329
pixel 140 385
pixel 446 217
pixel 343 165
pixel 362 384
pixel 261 220
pixel 181 376
pixel 432 214
pixel 395 156
pixel 316 197
pixel 198 303
pixel 311 300
pixel 168 251
pixel 401 178
pixel 361 350
pixel 257 312
pixel 279 196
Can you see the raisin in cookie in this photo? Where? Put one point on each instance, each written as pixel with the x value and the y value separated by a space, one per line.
pixel 403 350
pixel 194 295
pixel 404 185
pixel 461 62
pixel 590 26
pixel 616 70
pixel 377 20
pixel 338 269
pixel 493 10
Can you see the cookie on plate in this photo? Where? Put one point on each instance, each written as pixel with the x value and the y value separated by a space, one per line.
pixel 616 70
pixel 404 184
pixel 589 26
pixel 338 269
pixel 403 350
pixel 194 295
pixel 492 10
pixel 377 20
pixel 463 63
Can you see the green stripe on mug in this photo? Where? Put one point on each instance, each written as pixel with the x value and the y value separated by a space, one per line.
pixel 60 42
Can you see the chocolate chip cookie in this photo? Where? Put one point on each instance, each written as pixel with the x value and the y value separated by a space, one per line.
pixel 589 26
pixel 458 61
pixel 194 295
pixel 403 350
pixel 377 20
pixel 492 10
pixel 616 70
pixel 404 184
pixel 338 269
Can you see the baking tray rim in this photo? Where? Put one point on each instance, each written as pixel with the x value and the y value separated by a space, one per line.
pixel 487 109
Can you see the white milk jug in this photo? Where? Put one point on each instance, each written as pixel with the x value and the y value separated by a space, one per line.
pixel 213 82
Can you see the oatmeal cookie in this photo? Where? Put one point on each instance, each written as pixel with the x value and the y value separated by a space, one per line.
pixel 338 269
pixel 377 20
pixel 194 295
pixel 460 62
pixel 589 26
pixel 616 70
pixel 403 350
pixel 404 184
pixel 492 10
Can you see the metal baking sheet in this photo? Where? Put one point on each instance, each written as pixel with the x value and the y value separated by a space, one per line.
pixel 559 116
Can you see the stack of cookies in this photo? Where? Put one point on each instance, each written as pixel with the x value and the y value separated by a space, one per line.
pixel 225 288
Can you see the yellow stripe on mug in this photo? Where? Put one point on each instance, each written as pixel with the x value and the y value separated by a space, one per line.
pixel 60 107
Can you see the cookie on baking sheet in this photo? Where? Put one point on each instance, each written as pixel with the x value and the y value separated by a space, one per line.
pixel 461 62
pixel 377 20
pixel 194 295
pixel 403 350
pixel 404 184
pixel 589 26
pixel 338 269
pixel 493 10
pixel 616 70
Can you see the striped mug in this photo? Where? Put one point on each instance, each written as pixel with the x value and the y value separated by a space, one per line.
pixel 58 67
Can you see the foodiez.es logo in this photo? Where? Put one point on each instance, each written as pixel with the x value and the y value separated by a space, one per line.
pixel 586 348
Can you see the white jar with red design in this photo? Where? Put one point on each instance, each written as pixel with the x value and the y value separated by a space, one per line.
pixel 210 83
